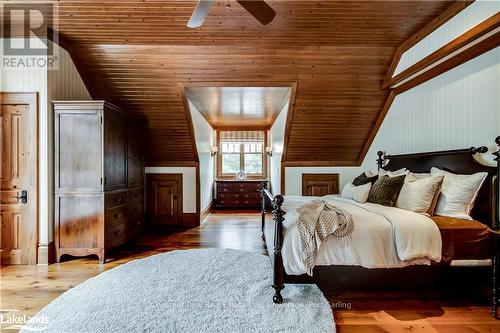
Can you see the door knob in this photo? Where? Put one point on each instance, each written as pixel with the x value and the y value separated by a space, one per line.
pixel 22 196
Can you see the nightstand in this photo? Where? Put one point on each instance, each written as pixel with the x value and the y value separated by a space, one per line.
pixel 495 233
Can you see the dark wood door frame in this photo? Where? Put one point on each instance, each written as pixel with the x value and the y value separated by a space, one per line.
pixel 32 223
pixel 165 177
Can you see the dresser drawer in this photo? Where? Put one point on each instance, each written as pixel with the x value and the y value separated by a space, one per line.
pixel 136 195
pixel 113 199
pixel 115 216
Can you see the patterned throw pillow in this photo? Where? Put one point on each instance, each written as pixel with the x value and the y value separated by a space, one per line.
pixel 386 189
pixel 363 179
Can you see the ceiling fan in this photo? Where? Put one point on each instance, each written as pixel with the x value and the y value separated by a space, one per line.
pixel 258 9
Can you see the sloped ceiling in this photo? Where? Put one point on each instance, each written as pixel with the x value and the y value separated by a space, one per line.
pixel 140 55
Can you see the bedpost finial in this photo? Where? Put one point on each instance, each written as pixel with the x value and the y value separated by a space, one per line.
pixel 479 150
pixel 264 185
pixel 380 153
pixel 279 199
pixel 380 159
pixel 497 140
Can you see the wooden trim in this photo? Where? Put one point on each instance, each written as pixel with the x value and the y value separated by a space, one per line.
pixel 30 99
pixel 198 190
pixel 189 120
pixel 283 177
pixel 172 164
pixel 316 163
pixel 479 48
pixel 468 37
pixel 376 126
pixel 441 19
pixel 47 253
pixel 189 219
pixel 289 119
pixel 205 212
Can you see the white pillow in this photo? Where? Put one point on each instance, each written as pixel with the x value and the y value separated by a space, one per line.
pixel 417 194
pixel 396 173
pixel 356 193
pixel 458 193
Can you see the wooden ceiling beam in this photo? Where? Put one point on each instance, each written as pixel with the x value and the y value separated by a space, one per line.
pixel 433 25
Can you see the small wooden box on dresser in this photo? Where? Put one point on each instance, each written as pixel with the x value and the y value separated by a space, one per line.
pixel 238 194
pixel 99 177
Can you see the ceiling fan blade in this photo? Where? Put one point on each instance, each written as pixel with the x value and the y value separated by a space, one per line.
pixel 199 13
pixel 259 9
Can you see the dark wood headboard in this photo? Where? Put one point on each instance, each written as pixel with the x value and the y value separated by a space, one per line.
pixel 460 161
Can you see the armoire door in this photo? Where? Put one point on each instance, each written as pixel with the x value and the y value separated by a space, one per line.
pixel 18 188
pixel 115 150
pixel 164 198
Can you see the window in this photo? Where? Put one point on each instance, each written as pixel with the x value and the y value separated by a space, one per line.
pixel 241 150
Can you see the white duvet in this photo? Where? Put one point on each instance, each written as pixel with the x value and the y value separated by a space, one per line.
pixel 383 237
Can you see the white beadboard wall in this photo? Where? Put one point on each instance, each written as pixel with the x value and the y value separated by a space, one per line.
pixel 63 83
pixel 458 109
pixel 471 16
pixel 205 138
pixel 276 141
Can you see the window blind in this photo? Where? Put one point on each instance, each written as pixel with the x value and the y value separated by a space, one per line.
pixel 241 136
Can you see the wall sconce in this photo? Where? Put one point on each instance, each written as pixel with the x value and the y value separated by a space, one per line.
pixel 269 151
pixel 214 150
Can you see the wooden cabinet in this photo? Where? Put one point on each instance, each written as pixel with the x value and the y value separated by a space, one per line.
pixel 238 194
pixel 164 199
pixel 99 177
pixel 314 184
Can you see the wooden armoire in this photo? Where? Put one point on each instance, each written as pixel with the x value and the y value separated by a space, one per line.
pixel 99 177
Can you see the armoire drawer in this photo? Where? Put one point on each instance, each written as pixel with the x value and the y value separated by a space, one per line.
pixel 116 216
pixel 136 195
pixel 115 198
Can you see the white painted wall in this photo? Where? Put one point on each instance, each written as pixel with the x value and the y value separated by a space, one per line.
pixel 276 141
pixel 471 16
pixel 188 184
pixel 63 83
pixel 205 138
pixel 458 109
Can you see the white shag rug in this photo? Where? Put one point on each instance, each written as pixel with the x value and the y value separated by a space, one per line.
pixel 209 290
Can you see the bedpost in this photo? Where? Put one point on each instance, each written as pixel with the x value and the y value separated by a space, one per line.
pixel 497 194
pixel 278 269
pixel 263 207
pixel 380 159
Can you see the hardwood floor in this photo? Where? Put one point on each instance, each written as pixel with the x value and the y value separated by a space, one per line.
pixel 29 288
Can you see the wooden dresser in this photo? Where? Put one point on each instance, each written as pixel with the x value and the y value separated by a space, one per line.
pixel 238 194
pixel 99 178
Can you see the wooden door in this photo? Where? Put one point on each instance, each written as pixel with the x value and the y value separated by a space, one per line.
pixel 115 150
pixel 19 178
pixel 164 198
pixel 320 184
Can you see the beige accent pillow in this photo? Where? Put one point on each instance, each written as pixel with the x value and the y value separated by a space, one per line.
pixel 417 194
pixel 357 193
pixel 396 173
pixel 458 193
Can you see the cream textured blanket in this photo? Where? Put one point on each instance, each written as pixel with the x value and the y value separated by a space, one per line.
pixel 317 220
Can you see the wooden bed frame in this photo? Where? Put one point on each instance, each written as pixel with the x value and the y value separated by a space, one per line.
pixel 457 161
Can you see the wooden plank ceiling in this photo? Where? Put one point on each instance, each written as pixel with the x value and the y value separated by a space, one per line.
pixel 239 107
pixel 138 54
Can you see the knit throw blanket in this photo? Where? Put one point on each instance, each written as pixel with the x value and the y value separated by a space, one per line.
pixel 317 220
